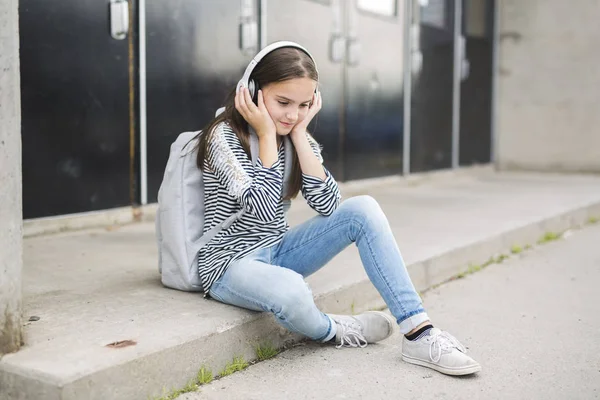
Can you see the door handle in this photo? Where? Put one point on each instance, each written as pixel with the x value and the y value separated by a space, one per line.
pixel 415 49
pixel 119 19
pixel 248 34
pixel 465 69
pixel 337 40
pixel 248 37
pixel 465 65
pixel 337 46
pixel 416 62
pixel 353 48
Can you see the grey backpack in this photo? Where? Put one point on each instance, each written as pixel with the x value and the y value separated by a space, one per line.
pixel 180 214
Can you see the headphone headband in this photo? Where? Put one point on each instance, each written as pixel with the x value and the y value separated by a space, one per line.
pixel 245 81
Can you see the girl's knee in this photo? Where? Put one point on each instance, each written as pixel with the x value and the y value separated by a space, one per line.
pixel 365 209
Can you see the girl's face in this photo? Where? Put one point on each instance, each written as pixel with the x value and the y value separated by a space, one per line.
pixel 287 102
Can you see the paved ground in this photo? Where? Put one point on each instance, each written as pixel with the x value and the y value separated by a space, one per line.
pixel 533 322
pixel 89 289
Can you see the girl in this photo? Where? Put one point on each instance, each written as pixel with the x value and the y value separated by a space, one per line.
pixel 259 263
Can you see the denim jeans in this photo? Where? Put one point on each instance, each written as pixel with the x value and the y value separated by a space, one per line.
pixel 272 279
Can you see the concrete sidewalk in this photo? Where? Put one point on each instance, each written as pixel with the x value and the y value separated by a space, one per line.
pixel 97 287
pixel 533 322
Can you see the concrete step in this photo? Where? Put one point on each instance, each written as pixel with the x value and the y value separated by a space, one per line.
pixel 97 287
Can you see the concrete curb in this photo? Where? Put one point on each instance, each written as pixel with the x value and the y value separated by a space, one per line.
pixel 93 219
pixel 146 376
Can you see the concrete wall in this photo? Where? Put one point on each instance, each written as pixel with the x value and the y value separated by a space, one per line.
pixel 549 85
pixel 10 180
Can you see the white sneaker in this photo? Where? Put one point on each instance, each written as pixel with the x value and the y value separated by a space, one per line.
pixel 440 351
pixel 359 330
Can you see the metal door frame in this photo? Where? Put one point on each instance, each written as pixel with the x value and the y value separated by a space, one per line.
pixel 459 47
pixel 495 75
pixel 408 17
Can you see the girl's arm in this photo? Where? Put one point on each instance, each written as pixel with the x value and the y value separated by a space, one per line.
pixel 309 161
pixel 319 188
pixel 256 188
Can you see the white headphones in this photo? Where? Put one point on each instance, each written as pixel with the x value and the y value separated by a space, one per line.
pixel 249 83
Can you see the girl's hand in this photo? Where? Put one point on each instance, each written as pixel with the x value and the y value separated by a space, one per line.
pixel 257 116
pixel 315 107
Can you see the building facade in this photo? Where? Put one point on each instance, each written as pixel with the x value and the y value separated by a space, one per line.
pixel 407 87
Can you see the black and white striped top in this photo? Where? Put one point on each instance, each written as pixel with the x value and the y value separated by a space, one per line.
pixel 231 183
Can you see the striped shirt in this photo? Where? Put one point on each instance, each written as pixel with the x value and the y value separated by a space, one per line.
pixel 231 183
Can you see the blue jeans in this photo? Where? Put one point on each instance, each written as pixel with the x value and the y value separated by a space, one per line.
pixel 272 279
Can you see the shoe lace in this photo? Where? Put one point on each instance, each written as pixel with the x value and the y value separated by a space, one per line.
pixel 443 342
pixel 350 336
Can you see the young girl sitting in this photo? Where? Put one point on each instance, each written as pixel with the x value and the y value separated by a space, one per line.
pixel 258 263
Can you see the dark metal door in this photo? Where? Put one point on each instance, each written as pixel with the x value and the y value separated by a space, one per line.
pixel 75 108
pixel 373 141
pixel 195 56
pixel 360 125
pixel 431 101
pixel 476 86
pixel 316 25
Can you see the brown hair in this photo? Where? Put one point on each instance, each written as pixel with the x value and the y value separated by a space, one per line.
pixel 279 65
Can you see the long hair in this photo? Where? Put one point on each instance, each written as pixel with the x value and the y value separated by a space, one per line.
pixel 277 66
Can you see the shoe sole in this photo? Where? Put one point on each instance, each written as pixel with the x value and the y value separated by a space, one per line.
pixel 448 371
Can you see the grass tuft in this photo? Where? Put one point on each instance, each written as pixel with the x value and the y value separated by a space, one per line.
pixel 205 375
pixel 238 364
pixel 192 386
pixel 265 351
pixel 516 249
pixel 489 262
pixel 548 237
pixel 474 268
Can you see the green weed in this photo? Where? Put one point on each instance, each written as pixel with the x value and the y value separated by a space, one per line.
pixel 205 376
pixel 265 351
pixel 548 237
pixel 516 249
pixel 238 364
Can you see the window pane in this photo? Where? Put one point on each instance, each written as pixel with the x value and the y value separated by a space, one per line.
pixel 433 13
pixel 382 7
